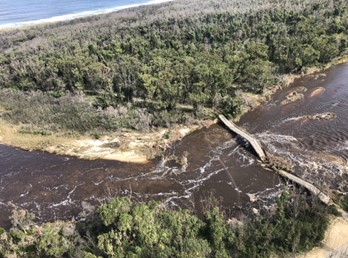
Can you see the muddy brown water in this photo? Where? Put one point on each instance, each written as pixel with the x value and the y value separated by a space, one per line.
pixel 60 187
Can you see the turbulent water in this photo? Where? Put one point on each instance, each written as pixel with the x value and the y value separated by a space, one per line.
pixel 317 147
pixel 55 187
pixel 29 12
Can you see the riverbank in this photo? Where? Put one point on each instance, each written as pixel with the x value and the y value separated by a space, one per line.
pixel 335 243
pixel 75 87
pixel 131 146
pixel 132 55
pixel 252 100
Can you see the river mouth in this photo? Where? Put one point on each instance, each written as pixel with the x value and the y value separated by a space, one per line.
pixel 210 161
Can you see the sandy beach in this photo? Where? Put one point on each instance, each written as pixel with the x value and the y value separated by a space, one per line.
pixel 72 16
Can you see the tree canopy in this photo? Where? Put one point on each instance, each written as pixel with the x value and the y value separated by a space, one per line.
pixel 165 56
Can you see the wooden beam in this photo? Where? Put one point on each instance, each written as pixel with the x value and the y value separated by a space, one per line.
pixel 254 143
pixel 258 149
pixel 315 191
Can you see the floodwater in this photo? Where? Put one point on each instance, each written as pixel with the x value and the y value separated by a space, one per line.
pixel 300 132
pixel 60 187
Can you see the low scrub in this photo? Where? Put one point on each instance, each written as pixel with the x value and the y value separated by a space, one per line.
pixel 344 203
pixel 43 114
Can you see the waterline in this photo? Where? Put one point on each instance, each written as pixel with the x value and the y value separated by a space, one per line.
pixel 73 16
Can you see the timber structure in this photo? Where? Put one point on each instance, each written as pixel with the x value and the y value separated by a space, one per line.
pixel 253 142
pixel 262 155
pixel 311 188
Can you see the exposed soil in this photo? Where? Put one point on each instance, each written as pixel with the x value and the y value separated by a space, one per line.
pixel 317 91
pixel 335 244
pixel 140 147
pixel 136 147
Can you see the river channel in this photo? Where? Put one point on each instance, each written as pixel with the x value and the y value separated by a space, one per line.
pixel 310 133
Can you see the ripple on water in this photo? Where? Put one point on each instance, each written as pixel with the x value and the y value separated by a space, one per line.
pixel 55 186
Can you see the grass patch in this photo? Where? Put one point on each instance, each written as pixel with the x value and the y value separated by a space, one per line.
pixel 30 138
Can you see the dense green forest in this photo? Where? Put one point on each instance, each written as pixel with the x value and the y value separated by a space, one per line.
pixel 171 63
pixel 122 228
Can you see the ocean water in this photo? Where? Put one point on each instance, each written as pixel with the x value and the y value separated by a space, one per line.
pixel 16 13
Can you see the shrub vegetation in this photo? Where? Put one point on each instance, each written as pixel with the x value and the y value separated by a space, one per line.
pixel 184 53
pixel 122 228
